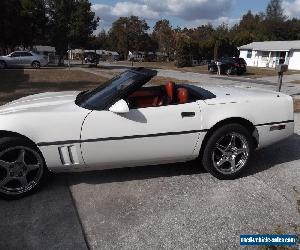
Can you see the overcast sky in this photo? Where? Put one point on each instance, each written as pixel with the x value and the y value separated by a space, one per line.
pixel 185 13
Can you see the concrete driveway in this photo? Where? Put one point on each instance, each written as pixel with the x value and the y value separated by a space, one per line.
pixel 45 220
pixel 180 206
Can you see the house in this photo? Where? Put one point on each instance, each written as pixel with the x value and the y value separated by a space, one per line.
pixel 142 56
pixel 76 54
pixel 271 53
pixel 44 50
pixel 136 56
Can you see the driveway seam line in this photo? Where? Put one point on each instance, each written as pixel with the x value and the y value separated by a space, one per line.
pixel 78 217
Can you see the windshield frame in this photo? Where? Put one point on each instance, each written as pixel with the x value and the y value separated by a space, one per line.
pixel 117 88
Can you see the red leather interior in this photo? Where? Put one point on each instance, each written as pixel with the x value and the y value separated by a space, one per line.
pixel 182 95
pixel 170 90
pixel 158 96
pixel 146 98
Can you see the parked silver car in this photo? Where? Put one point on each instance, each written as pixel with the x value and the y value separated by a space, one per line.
pixel 23 58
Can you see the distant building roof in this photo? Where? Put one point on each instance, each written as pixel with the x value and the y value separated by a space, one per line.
pixel 42 48
pixel 272 46
pixel 98 51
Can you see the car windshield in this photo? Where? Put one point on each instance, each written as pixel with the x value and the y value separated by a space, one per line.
pixel 101 96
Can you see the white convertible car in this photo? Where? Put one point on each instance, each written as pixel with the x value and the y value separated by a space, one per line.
pixel 124 123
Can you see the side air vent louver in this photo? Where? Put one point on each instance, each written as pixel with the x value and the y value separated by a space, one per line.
pixel 68 155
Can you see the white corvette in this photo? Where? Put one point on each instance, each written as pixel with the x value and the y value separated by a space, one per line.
pixel 121 124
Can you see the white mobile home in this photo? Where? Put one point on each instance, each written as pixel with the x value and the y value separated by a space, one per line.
pixel 76 54
pixel 271 53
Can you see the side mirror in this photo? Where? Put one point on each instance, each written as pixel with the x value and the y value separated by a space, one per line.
pixel 120 107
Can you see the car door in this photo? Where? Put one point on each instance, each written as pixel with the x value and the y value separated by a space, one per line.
pixel 14 59
pixel 140 137
pixel 225 64
pixel 26 58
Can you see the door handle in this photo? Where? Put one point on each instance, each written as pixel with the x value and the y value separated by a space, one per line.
pixel 187 114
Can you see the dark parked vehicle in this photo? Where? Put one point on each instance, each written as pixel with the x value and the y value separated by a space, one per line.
pixel 91 57
pixel 229 65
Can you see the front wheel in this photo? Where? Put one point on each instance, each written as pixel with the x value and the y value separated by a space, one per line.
pixel 227 151
pixel 22 168
pixel 211 70
pixel 2 65
pixel 229 71
pixel 36 65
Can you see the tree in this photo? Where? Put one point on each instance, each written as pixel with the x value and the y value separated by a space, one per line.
pixel 247 30
pixel 34 22
pixel 274 23
pixel 71 22
pixel 10 24
pixel 129 34
pixel 224 46
pixel 102 40
pixel 183 51
pixel 292 29
pixel 275 12
pixel 202 41
pixel 82 23
pixel 164 35
pixel 59 25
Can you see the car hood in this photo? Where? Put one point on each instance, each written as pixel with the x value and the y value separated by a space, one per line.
pixel 44 101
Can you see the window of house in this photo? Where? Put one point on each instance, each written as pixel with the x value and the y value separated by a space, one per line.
pixel 249 54
pixel 265 55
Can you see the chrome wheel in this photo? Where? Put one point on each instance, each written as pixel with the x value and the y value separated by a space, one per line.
pixel 230 153
pixel 21 169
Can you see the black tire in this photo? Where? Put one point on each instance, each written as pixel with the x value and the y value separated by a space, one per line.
pixel 229 71
pixel 22 173
pixel 3 65
pixel 35 65
pixel 212 153
pixel 211 70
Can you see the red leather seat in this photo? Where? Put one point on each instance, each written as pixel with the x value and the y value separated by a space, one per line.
pixel 182 95
pixel 146 98
pixel 170 90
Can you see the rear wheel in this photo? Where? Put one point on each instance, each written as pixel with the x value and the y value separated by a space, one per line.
pixel 22 168
pixel 36 64
pixel 240 72
pixel 2 65
pixel 227 151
